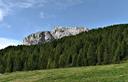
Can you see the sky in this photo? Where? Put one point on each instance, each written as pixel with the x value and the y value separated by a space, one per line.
pixel 19 18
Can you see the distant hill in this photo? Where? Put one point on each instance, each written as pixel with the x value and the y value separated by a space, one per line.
pixel 96 47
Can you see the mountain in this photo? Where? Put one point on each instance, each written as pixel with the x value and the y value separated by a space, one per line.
pixel 100 46
pixel 38 38
pixel 57 33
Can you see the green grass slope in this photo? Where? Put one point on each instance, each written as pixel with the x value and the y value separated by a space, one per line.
pixel 107 73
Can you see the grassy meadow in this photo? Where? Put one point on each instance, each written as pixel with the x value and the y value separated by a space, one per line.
pixel 106 73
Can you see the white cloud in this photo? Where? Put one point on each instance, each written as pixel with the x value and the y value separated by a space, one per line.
pixel 5 25
pixel 2 15
pixel 22 3
pixel 42 15
pixel 46 15
pixel 67 3
pixel 4 42
pixel 6 6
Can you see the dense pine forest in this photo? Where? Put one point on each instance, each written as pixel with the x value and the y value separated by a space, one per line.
pixel 97 47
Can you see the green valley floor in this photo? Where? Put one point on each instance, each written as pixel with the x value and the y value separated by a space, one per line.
pixel 106 73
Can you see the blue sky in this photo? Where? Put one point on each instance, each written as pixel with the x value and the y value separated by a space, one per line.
pixel 18 18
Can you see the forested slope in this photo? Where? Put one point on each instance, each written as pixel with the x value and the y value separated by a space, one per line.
pixel 96 47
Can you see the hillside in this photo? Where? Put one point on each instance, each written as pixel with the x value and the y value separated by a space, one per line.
pixel 107 73
pixel 101 46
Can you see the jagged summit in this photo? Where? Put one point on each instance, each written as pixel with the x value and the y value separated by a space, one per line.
pixel 38 38
pixel 57 33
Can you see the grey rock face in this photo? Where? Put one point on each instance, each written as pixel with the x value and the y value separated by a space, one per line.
pixel 60 32
pixel 57 33
pixel 38 38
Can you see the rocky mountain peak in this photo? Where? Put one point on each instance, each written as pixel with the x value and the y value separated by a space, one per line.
pixel 57 33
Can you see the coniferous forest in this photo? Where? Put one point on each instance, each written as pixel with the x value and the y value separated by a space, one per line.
pixel 97 47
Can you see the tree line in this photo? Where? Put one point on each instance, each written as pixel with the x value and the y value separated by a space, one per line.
pixel 97 47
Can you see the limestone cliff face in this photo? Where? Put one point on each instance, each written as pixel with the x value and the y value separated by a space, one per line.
pixel 60 32
pixel 38 38
pixel 57 33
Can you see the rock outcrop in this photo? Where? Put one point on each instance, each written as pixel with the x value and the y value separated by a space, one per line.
pixel 46 36
pixel 38 38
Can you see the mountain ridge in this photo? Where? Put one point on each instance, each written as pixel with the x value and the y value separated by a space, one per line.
pixel 100 46
pixel 56 33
